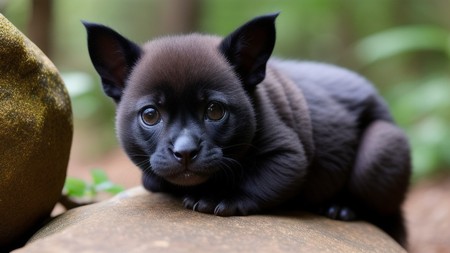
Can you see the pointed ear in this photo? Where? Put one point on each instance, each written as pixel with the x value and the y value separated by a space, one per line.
pixel 249 47
pixel 113 56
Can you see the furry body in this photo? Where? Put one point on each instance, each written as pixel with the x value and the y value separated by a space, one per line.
pixel 215 121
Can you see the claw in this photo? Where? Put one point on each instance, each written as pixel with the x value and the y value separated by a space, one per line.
pixel 216 211
pixel 194 207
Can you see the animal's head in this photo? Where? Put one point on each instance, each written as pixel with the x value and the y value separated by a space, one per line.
pixel 184 109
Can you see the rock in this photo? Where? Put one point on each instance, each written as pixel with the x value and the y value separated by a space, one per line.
pixel 139 221
pixel 35 136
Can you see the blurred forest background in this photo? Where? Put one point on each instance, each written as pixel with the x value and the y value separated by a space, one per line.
pixel 402 46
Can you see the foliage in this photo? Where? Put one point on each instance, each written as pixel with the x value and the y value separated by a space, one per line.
pixel 400 40
pixel 78 188
pixel 420 105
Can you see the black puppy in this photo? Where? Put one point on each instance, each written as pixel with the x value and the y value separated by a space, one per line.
pixel 234 132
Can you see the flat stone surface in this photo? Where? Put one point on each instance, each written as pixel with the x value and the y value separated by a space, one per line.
pixel 139 221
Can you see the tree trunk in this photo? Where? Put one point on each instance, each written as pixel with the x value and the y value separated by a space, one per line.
pixel 179 16
pixel 39 27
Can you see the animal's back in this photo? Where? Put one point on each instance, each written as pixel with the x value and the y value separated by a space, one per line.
pixel 341 105
pixel 345 87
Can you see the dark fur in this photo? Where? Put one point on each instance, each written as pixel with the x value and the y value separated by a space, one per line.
pixel 305 133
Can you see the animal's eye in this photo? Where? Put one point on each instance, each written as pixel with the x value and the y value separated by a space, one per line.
pixel 215 111
pixel 150 116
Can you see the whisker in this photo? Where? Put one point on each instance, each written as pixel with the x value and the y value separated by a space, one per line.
pixel 231 169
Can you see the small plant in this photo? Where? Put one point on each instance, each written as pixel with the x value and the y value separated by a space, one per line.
pixel 77 192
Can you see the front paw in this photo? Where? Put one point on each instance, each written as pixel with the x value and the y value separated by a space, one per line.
pixel 220 207
pixel 204 205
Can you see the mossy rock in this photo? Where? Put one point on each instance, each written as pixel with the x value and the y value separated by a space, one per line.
pixel 139 221
pixel 35 137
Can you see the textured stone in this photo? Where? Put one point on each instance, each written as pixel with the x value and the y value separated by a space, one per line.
pixel 35 135
pixel 138 221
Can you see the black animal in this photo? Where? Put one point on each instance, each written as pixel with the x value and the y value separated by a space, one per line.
pixel 234 132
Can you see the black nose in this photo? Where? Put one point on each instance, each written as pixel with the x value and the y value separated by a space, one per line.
pixel 185 148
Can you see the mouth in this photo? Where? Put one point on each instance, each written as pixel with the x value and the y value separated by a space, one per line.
pixel 186 178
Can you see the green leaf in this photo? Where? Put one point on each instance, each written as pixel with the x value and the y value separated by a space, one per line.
pixel 115 189
pixel 103 184
pixel 75 187
pixel 99 176
pixel 401 40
